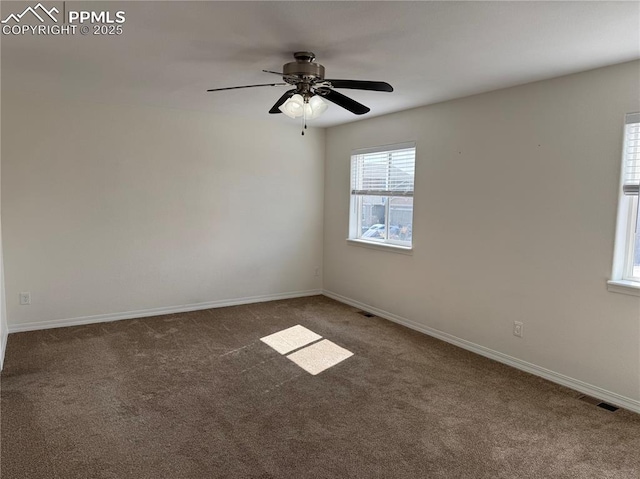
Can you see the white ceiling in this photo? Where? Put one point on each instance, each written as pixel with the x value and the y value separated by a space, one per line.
pixel 171 52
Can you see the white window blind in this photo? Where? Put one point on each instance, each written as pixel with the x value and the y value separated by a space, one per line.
pixel 383 173
pixel 631 152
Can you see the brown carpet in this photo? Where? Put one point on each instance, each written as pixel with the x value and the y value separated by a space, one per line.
pixel 197 395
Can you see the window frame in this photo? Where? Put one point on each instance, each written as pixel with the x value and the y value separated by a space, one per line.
pixel 631 245
pixel 355 204
pixel 622 279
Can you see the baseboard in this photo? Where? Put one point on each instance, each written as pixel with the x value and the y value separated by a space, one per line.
pixel 143 313
pixel 576 384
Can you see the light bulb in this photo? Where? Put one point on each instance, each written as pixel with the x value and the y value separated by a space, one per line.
pixel 293 107
pixel 317 106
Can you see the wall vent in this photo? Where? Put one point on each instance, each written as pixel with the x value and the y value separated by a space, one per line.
pixel 608 407
pixel 597 402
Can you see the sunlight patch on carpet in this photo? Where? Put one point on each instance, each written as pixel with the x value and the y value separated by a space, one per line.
pixel 320 356
pixel 290 339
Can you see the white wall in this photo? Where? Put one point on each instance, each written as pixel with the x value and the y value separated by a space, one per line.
pixel 4 330
pixel 515 208
pixel 109 209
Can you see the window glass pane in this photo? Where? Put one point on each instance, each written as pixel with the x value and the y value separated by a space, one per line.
pixel 635 267
pixel 372 217
pixel 382 195
pixel 400 218
pixel 402 170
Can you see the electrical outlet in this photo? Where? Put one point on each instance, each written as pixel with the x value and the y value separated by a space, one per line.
pixel 317 272
pixel 25 299
pixel 518 328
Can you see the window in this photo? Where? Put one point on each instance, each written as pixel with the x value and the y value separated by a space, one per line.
pixel 626 267
pixel 382 195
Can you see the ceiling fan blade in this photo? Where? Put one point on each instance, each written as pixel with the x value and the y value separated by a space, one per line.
pixel 346 102
pixel 361 85
pixel 276 107
pixel 247 86
pixel 294 79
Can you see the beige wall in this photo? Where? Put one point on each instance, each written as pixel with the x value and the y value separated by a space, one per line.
pixel 4 329
pixel 109 209
pixel 515 209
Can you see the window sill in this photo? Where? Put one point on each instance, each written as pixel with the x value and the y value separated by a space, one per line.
pixel 624 287
pixel 392 248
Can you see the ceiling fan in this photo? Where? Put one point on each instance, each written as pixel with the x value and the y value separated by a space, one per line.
pixel 305 100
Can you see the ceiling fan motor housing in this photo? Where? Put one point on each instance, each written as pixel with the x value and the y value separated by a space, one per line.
pixel 304 68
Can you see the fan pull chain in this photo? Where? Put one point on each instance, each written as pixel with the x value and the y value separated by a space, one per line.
pixel 304 120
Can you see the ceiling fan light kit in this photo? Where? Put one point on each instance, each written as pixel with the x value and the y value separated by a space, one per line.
pixel 307 99
pixel 298 106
